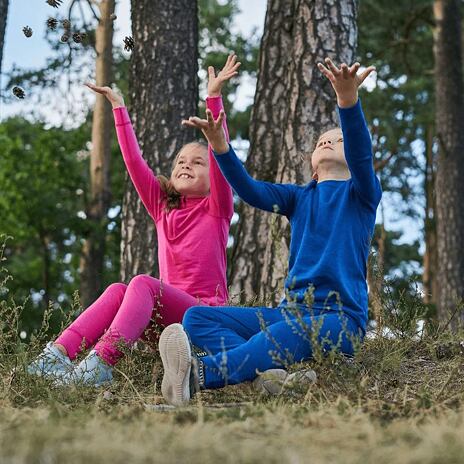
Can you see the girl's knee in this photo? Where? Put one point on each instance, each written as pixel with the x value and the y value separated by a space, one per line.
pixel 117 288
pixel 142 280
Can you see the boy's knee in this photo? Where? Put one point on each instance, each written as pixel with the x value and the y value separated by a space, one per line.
pixel 193 316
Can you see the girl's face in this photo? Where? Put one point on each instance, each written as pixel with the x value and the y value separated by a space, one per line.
pixel 190 176
pixel 329 149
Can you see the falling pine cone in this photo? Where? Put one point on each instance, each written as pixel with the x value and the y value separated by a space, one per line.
pixel 18 92
pixel 66 24
pixel 64 38
pixel 55 3
pixel 113 17
pixel 128 44
pixel 52 23
pixel 27 31
pixel 77 37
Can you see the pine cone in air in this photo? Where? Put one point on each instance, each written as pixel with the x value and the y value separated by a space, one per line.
pixel 55 3
pixel 18 92
pixel 64 38
pixel 128 44
pixel 52 23
pixel 77 37
pixel 27 31
pixel 66 24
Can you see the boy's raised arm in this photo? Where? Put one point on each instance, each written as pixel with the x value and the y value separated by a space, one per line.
pixel 356 138
pixel 358 153
pixel 279 198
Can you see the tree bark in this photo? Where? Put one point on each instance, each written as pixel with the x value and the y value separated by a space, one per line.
pixel 92 256
pixel 300 104
pixel 266 133
pixel 3 18
pixel 450 167
pixel 163 89
pixel 430 261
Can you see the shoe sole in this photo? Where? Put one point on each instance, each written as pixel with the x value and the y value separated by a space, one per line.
pixel 175 353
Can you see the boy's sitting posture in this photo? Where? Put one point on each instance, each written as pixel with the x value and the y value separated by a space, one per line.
pixel 332 222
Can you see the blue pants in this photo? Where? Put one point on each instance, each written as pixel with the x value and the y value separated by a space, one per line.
pixel 241 342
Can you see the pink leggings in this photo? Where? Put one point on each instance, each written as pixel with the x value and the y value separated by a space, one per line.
pixel 122 313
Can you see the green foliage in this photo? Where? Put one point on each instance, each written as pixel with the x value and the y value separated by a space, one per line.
pixel 41 180
pixel 398 41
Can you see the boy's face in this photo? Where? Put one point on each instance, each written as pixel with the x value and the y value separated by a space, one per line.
pixel 190 175
pixel 329 150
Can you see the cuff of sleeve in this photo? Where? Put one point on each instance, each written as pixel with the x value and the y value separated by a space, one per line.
pixel 350 114
pixel 227 154
pixel 121 116
pixel 215 105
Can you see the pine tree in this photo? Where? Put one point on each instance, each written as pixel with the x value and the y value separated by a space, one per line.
pixel 285 124
pixel 449 94
pixel 163 89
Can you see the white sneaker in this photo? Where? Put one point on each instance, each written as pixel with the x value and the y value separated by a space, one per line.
pixel 51 363
pixel 91 371
pixel 176 355
pixel 274 381
pixel 270 382
pixel 304 377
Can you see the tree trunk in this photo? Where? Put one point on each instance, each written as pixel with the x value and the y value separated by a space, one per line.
pixel 300 104
pixel 266 132
pixel 164 89
pixel 91 264
pixel 450 166
pixel 3 17
pixel 430 261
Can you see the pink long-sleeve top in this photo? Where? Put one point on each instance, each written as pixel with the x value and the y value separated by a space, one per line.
pixel 192 239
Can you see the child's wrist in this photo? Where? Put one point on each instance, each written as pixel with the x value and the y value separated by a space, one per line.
pixel 347 102
pixel 220 147
pixel 117 104
pixel 214 94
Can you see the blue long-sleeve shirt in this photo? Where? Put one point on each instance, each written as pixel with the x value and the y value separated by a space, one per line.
pixel 332 222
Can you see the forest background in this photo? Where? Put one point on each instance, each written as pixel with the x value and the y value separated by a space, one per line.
pixel 71 223
pixel 64 211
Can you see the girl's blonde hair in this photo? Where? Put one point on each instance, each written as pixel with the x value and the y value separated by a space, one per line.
pixel 172 196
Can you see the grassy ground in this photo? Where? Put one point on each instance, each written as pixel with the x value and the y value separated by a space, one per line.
pixel 400 401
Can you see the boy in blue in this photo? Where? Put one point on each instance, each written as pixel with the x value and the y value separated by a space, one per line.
pixel 332 221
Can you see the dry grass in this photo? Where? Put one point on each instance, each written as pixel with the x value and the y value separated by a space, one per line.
pixel 399 401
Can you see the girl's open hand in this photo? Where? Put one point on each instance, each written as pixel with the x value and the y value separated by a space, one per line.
pixel 229 70
pixel 212 130
pixel 113 97
pixel 345 80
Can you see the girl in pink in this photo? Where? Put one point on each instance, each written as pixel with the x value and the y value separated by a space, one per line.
pixel 192 212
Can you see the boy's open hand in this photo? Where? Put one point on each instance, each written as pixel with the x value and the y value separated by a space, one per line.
pixel 229 70
pixel 114 98
pixel 345 81
pixel 212 130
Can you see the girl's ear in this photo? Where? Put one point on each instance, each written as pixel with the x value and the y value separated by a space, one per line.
pixel 315 176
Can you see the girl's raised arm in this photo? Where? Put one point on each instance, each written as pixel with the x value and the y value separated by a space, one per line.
pixel 142 176
pixel 221 198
